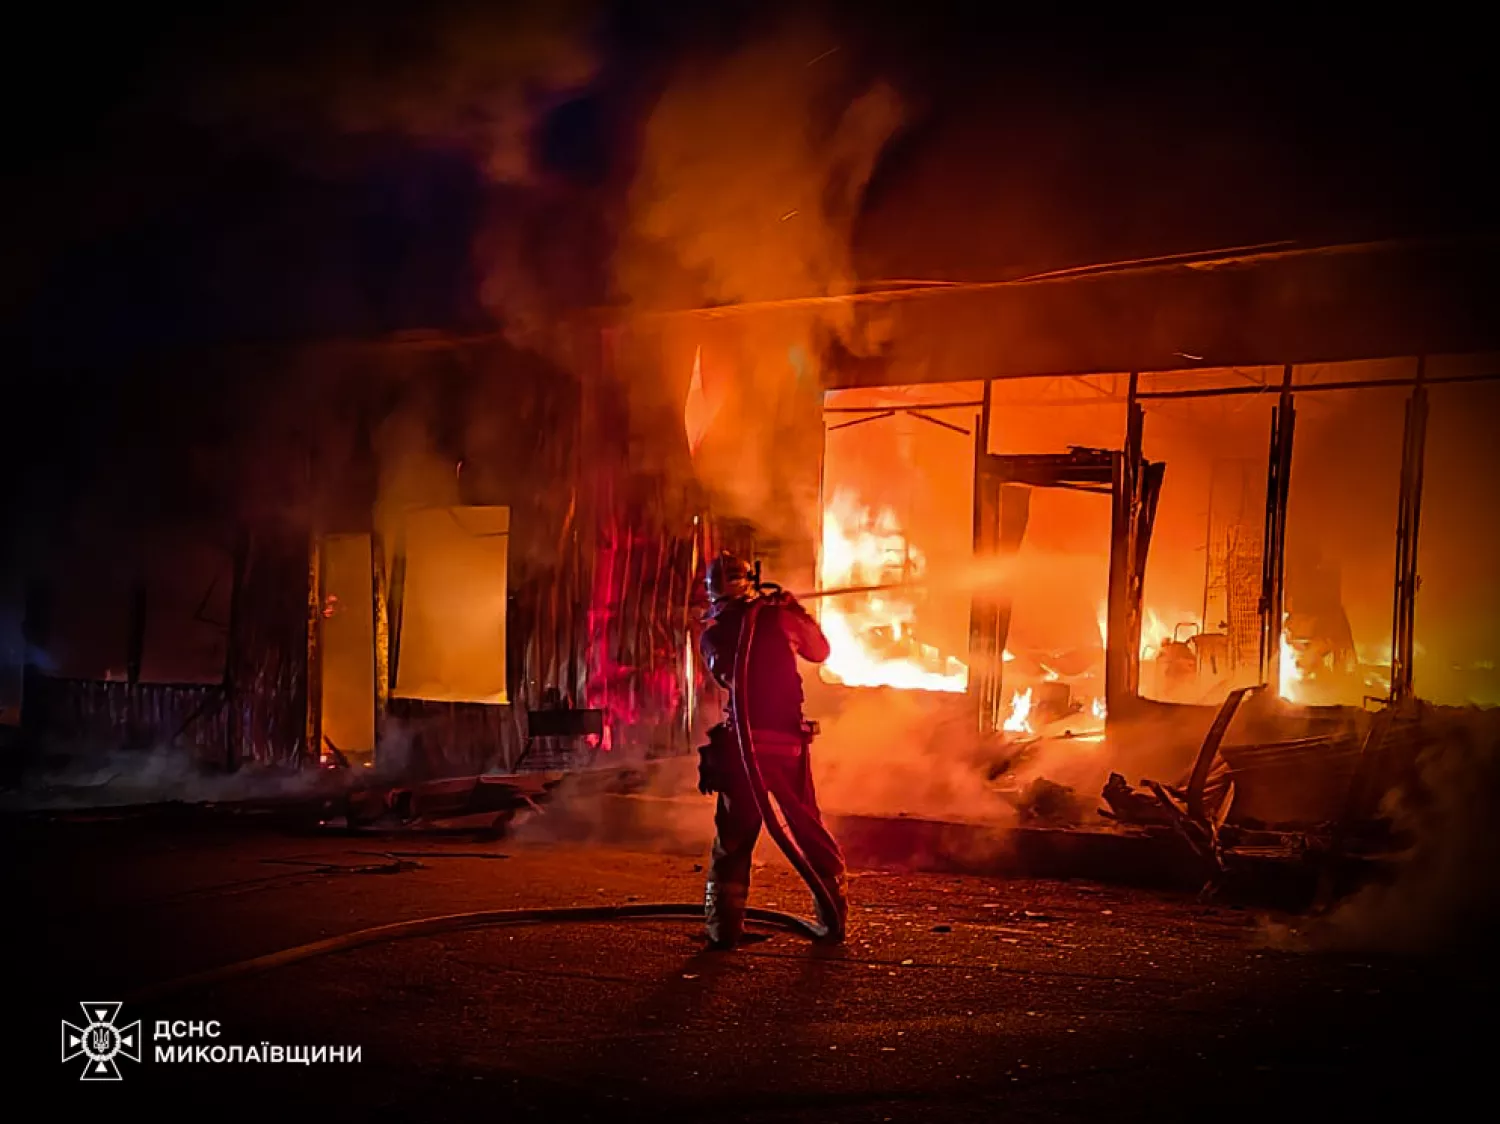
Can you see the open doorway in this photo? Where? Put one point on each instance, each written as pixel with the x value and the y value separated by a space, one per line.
pixel 1055 651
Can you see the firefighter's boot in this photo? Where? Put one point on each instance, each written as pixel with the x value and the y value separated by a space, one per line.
pixel 724 913
pixel 836 925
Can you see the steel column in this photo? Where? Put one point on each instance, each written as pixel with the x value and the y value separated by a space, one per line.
pixel 1403 638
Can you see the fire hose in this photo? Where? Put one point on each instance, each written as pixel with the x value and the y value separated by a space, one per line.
pixel 489 918
pixel 823 895
pixel 455 923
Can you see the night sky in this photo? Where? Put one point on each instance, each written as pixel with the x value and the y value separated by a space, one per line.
pixel 138 226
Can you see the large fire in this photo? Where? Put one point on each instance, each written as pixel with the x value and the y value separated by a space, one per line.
pixel 1018 721
pixel 1154 630
pixel 1155 634
pixel 874 636
pixel 1291 673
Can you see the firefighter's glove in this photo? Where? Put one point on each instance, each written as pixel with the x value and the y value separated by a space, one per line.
pixel 712 759
pixel 784 600
pixel 708 773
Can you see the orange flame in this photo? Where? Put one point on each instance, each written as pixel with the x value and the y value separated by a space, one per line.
pixel 1291 673
pixel 699 411
pixel 1154 630
pixel 1018 721
pixel 873 636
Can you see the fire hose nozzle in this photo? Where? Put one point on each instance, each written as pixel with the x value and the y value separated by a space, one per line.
pixel 850 590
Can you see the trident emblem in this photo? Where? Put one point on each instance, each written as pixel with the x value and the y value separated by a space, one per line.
pixel 99 1041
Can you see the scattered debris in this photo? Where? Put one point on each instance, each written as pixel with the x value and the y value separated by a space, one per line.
pixel 1048 802
pixel 1200 837
pixel 1128 806
pixel 480 803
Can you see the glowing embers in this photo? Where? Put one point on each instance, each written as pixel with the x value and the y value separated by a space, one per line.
pixel 875 637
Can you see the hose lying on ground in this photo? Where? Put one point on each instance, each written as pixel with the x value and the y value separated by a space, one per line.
pixel 457 922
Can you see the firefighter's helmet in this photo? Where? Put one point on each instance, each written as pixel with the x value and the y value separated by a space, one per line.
pixel 728 578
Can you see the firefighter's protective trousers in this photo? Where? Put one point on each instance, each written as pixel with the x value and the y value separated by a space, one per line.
pixel 787 772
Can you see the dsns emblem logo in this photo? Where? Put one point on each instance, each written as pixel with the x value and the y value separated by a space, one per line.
pixel 100 1041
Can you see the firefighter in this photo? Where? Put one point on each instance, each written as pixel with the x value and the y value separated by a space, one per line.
pixel 784 630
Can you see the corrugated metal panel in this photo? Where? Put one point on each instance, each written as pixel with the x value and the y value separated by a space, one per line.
pixel 269 654
pixel 639 630
pixel 599 618
pixel 614 639
pixel 144 716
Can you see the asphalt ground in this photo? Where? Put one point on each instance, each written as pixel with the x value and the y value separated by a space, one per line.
pixel 956 997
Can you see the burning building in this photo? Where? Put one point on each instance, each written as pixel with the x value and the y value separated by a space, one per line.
pixel 1079 515
pixel 1085 514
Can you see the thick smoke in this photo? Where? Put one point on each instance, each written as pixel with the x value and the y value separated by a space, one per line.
pixel 480 82
pixel 461 77
pixel 89 778
pixel 477 82
pixel 751 176
pixel 485 85
pixel 903 753
pixel 413 470
pixel 1444 894
pixel 748 183
pixel 659 805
